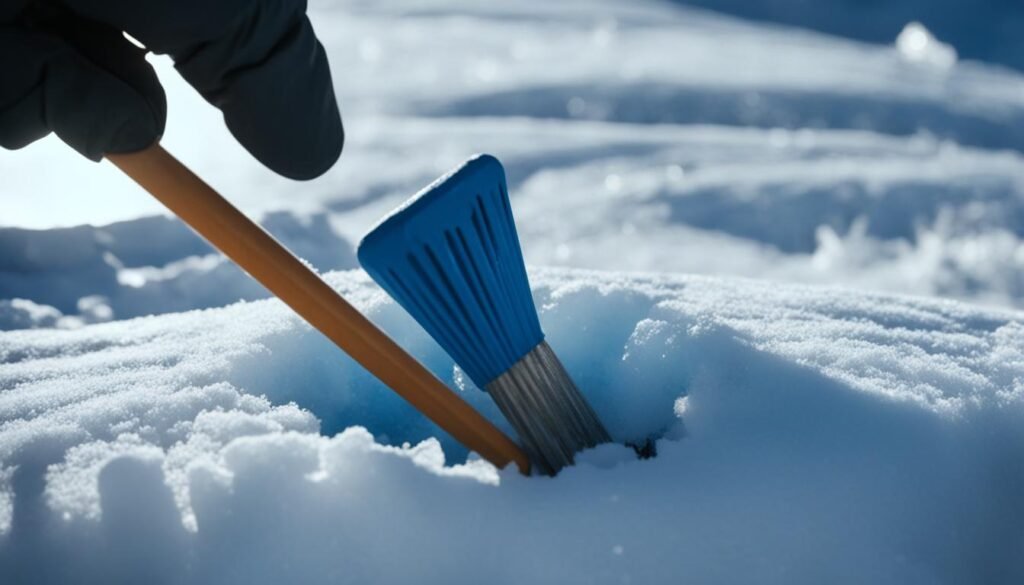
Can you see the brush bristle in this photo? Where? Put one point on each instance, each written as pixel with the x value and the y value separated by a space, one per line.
pixel 546 409
pixel 451 257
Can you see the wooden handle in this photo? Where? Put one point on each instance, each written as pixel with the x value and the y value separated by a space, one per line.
pixel 266 260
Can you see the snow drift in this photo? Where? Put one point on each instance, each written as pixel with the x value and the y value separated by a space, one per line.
pixel 629 130
pixel 74 276
pixel 803 435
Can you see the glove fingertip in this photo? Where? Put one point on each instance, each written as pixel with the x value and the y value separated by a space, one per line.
pixel 134 135
pixel 274 89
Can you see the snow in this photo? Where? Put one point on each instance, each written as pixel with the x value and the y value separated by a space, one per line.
pixel 24 314
pixel 803 434
pixel 917 43
pixel 791 260
pixel 799 157
pixel 86 274
pixel 980 29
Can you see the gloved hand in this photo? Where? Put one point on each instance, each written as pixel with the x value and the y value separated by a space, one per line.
pixel 66 67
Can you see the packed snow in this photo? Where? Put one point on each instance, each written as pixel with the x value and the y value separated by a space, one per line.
pixel 803 435
pixel 791 261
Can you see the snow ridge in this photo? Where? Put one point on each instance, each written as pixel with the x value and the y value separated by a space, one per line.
pixel 800 431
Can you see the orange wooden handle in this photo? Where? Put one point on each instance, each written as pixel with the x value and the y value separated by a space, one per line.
pixel 269 262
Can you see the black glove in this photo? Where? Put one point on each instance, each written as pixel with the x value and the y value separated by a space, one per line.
pixel 65 67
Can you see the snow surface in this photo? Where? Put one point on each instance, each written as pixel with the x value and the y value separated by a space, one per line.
pixel 641 128
pixel 806 435
pixel 980 29
pixel 68 277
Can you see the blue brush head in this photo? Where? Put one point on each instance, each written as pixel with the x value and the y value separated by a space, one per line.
pixel 451 257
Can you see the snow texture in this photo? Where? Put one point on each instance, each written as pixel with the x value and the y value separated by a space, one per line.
pixel 803 435
pixel 983 29
pixel 631 131
pixel 819 425
pixel 81 275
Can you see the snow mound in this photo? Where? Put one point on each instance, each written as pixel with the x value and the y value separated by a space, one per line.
pixel 150 265
pixel 803 435
pixel 25 314
pixel 630 131
pixel 917 44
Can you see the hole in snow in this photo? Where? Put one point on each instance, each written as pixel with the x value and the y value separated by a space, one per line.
pixel 630 366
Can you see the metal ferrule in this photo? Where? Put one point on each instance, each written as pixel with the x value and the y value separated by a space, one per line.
pixel 547 410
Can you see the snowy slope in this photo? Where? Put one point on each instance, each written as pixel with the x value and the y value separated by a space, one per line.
pixel 806 435
pixel 645 128
pixel 980 29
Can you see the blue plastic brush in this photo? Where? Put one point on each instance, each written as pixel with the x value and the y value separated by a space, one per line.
pixel 451 257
